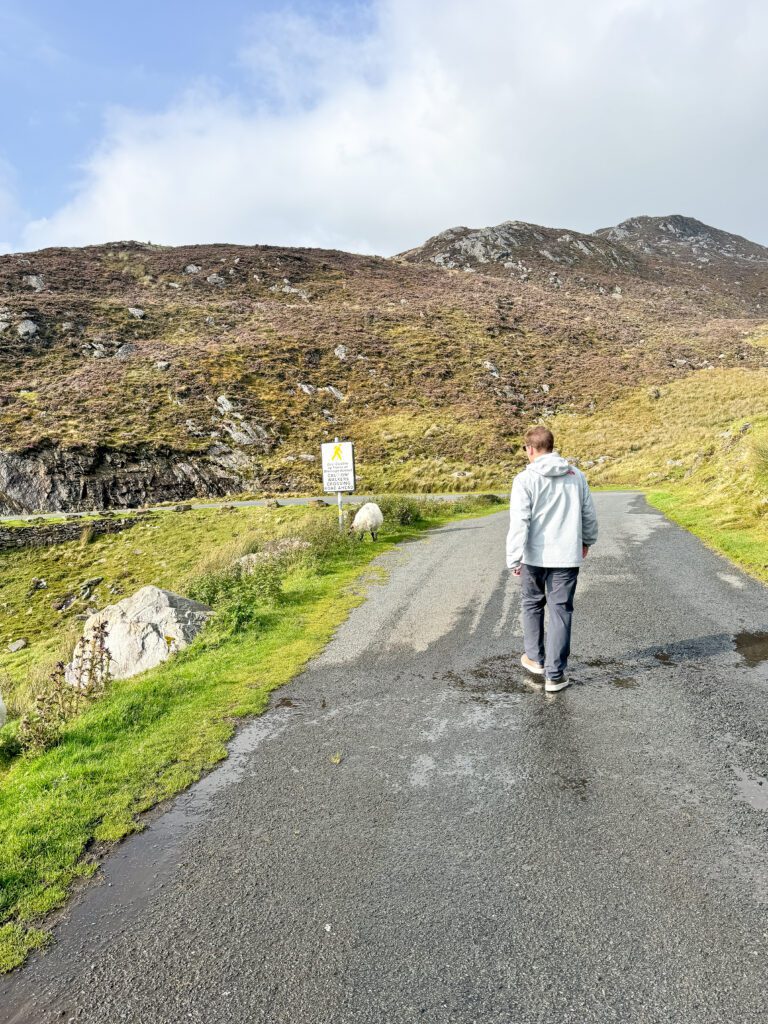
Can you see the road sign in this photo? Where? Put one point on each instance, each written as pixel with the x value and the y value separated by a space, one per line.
pixel 338 466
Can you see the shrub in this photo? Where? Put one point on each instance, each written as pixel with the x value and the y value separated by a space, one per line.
pixel 59 701
pixel 401 509
pixel 239 597
pixel 325 539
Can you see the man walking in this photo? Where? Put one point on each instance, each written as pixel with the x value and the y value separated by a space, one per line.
pixel 552 527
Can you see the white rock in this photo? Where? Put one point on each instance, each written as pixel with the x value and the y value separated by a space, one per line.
pixel 27 329
pixel 245 433
pixel 215 279
pixel 145 629
pixel 17 645
pixel 136 312
pixel 3 713
pixel 341 352
pixel 4 325
pixel 191 268
pixel 308 389
pixel 224 405
pixel 491 368
pixel 34 281
pixel 331 390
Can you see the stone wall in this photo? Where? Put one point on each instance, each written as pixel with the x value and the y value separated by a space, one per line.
pixel 43 535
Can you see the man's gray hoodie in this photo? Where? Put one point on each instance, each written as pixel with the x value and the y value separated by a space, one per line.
pixel 551 515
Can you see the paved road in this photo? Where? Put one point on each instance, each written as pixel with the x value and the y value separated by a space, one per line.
pixel 483 852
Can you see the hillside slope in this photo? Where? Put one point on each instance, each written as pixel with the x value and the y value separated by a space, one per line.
pixel 135 373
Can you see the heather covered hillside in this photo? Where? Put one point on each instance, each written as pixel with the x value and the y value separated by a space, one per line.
pixel 136 373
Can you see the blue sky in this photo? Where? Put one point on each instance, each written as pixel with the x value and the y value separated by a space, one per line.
pixel 63 62
pixel 371 124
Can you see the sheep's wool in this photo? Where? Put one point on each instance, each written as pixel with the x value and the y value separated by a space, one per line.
pixel 369 517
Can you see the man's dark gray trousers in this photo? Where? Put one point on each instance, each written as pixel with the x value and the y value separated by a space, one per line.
pixel 553 589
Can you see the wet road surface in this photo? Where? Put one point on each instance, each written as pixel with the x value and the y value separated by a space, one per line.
pixel 481 852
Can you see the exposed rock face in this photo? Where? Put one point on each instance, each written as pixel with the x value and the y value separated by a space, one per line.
pixel 55 479
pixel 524 250
pixel 144 630
pixel 685 240
pixel 673 250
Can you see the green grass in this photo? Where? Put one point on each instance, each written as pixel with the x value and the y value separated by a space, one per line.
pixel 725 529
pixel 152 735
pixel 698 448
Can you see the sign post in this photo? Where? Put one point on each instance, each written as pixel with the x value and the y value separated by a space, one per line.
pixel 338 470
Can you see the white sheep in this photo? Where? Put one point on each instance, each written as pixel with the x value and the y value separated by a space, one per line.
pixel 369 517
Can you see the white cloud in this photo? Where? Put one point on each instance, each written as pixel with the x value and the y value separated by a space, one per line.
pixel 447 112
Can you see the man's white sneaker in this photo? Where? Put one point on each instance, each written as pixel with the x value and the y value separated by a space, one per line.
pixel 553 685
pixel 531 666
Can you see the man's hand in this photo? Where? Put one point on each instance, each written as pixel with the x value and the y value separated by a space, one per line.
pixel 517 570
pixel 584 550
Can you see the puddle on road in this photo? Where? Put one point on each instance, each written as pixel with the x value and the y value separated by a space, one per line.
pixel 624 683
pixel 751 789
pixel 599 663
pixel 493 678
pixel 753 647
pixel 499 677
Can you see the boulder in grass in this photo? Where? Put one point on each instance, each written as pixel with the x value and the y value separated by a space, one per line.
pixel 144 630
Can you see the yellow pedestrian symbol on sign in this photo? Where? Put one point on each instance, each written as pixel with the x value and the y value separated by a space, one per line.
pixel 337 453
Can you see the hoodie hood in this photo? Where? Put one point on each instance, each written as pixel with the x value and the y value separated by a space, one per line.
pixel 551 464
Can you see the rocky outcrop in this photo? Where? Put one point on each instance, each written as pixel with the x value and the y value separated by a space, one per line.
pixel 524 251
pixel 142 631
pixel 51 479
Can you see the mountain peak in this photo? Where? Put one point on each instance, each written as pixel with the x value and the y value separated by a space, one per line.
pixel 685 239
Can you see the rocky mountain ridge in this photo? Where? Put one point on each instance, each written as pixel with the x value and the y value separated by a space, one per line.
pixel 672 250
pixel 135 373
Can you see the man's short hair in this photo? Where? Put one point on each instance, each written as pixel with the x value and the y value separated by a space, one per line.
pixel 540 438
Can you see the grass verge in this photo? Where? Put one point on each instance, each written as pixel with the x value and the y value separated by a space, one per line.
pixel 744 543
pixel 151 736
pixel 698 447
